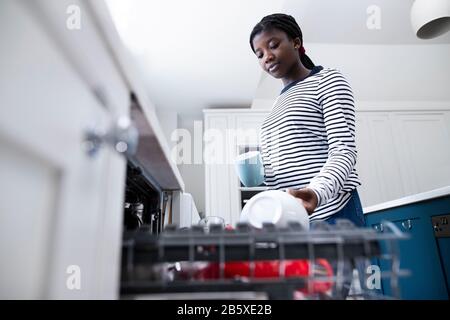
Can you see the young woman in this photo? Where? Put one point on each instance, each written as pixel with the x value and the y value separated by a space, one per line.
pixel 308 139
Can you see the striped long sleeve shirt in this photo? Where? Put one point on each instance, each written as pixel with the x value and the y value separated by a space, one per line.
pixel 308 140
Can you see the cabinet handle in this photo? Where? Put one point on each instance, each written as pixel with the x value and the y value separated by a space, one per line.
pixel 122 136
pixel 436 228
pixel 407 225
pixel 379 227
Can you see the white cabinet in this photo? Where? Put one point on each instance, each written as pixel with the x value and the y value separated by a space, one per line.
pixel 424 144
pixel 248 126
pixel 226 131
pixel 402 153
pixel 218 195
pixel 378 162
pixel 60 209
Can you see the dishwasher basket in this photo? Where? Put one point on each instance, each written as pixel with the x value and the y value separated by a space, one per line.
pixel 326 262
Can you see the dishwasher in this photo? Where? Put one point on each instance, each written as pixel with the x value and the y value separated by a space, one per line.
pixel 326 262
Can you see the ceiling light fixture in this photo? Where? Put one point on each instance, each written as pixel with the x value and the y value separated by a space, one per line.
pixel 430 18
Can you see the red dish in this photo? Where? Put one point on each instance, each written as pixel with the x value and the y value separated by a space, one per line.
pixel 270 269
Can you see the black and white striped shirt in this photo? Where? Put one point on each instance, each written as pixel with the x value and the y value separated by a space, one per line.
pixel 308 140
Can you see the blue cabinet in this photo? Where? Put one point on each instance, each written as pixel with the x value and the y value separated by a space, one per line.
pixel 420 254
pixel 444 250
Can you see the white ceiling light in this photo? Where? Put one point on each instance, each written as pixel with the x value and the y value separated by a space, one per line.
pixel 430 18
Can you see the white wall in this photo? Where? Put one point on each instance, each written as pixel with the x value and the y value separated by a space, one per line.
pixel 380 72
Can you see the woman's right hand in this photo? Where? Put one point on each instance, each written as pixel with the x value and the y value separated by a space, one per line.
pixel 307 196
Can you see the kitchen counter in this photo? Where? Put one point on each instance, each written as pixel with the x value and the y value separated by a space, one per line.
pixel 436 193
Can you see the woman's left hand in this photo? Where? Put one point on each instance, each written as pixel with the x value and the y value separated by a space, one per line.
pixel 308 198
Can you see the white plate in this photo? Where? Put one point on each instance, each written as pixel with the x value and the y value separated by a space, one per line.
pixel 274 206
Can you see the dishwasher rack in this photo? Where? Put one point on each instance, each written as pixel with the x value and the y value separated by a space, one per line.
pixel 153 264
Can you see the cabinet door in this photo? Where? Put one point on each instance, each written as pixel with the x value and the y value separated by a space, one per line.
pixel 402 153
pixel 378 160
pixel 248 126
pixel 371 185
pixel 423 149
pixel 217 184
pixel 54 208
pixel 418 255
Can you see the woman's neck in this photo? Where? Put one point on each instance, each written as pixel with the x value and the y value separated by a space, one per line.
pixel 298 73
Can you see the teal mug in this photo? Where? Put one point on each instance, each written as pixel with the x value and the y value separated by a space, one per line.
pixel 250 169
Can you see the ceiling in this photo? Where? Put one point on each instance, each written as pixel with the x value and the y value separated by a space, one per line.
pixel 357 21
pixel 195 54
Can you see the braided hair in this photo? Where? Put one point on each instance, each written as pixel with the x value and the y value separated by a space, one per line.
pixel 284 23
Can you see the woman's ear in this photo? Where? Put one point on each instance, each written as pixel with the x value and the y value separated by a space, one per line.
pixel 297 43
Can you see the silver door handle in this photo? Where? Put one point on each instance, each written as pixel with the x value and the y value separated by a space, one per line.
pixel 407 224
pixel 379 227
pixel 122 136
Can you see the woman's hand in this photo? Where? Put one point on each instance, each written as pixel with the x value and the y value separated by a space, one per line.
pixel 308 197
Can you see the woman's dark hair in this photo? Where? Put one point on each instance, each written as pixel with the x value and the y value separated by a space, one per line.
pixel 284 23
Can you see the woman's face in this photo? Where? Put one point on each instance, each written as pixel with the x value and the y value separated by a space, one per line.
pixel 276 53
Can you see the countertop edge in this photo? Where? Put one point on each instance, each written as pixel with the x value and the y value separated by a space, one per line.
pixel 432 194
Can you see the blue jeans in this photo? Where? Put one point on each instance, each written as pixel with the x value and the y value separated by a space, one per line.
pixel 352 211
